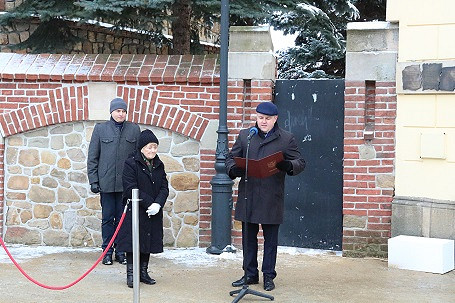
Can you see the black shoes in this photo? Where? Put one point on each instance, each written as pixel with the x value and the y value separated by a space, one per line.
pixel 107 260
pixel 120 258
pixel 268 284
pixel 249 281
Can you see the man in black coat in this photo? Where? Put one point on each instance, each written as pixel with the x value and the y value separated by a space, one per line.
pixel 264 196
pixel 145 171
pixel 111 143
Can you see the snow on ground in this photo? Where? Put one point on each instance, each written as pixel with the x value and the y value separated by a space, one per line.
pixel 307 251
pixel 191 257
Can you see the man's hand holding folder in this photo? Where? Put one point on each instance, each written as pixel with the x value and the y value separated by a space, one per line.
pixel 261 168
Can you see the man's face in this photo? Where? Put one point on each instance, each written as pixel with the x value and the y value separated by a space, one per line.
pixel 119 115
pixel 265 123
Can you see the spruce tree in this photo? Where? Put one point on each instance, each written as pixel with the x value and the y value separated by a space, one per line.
pixel 53 34
pixel 320 45
pixel 321 25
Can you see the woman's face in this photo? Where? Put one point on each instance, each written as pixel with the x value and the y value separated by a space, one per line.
pixel 150 150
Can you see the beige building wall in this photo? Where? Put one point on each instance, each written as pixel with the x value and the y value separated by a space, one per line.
pixel 425 126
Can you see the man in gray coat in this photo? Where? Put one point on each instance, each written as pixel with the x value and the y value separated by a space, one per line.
pixel 112 141
pixel 263 201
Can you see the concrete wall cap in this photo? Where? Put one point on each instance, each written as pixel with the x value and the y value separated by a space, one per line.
pixel 372 25
pixel 262 28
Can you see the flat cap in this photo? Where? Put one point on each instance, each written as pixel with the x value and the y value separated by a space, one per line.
pixel 267 108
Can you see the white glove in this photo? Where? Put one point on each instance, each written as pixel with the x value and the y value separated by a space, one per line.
pixel 153 209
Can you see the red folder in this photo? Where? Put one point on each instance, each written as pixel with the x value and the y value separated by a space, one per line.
pixel 261 168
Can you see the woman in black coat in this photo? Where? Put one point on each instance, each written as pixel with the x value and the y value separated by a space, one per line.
pixel 145 171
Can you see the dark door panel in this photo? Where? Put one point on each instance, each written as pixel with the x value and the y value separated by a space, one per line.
pixel 313 110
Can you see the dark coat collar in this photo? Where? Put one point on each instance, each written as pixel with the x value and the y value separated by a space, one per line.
pixel 138 158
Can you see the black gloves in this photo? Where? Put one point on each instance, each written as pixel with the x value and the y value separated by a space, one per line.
pixel 95 188
pixel 285 166
pixel 236 172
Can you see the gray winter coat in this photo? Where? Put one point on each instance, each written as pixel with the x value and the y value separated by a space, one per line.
pixel 107 152
pixel 265 196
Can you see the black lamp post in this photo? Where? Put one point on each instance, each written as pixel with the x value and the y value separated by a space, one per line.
pixel 221 183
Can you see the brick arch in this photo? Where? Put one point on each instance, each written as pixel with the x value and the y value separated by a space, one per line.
pixel 145 106
pixel 70 104
pixel 58 89
pixel 58 105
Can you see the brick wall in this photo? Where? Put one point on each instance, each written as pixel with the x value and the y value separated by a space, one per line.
pixel 369 155
pixel 178 93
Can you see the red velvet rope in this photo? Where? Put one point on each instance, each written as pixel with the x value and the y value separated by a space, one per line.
pixel 81 277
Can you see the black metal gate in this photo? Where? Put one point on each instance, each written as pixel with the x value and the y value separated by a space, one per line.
pixel 313 110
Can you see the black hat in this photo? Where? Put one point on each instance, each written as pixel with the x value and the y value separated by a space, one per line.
pixel 146 137
pixel 267 108
pixel 118 103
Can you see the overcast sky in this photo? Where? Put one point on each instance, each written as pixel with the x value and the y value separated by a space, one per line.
pixel 281 41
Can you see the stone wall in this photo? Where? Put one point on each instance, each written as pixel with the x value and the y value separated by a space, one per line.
pixel 48 201
pixel 94 40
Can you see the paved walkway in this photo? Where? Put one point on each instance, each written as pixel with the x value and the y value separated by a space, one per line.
pixel 193 276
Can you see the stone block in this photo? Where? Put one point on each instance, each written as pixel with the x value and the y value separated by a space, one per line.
pixel 406 219
pixel 100 96
pixel 186 202
pixel 185 149
pixel 372 36
pixel 378 66
pixel 191 164
pixel 187 237
pixel 441 222
pixel 184 181
pixel 421 254
pixel 251 65
pixel 250 39
pixel 350 221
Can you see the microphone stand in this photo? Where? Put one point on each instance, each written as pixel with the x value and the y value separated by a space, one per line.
pixel 245 290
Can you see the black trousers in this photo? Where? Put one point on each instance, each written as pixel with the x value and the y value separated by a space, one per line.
pixel 250 254
pixel 111 212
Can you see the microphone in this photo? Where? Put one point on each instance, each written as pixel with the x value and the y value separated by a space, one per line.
pixel 253 131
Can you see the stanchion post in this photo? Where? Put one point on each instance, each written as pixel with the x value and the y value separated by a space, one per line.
pixel 135 217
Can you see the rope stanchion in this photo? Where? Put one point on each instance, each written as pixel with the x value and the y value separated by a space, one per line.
pixel 81 277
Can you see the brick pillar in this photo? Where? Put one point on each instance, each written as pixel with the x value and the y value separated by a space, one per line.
pixel 369 138
pixel 368 175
